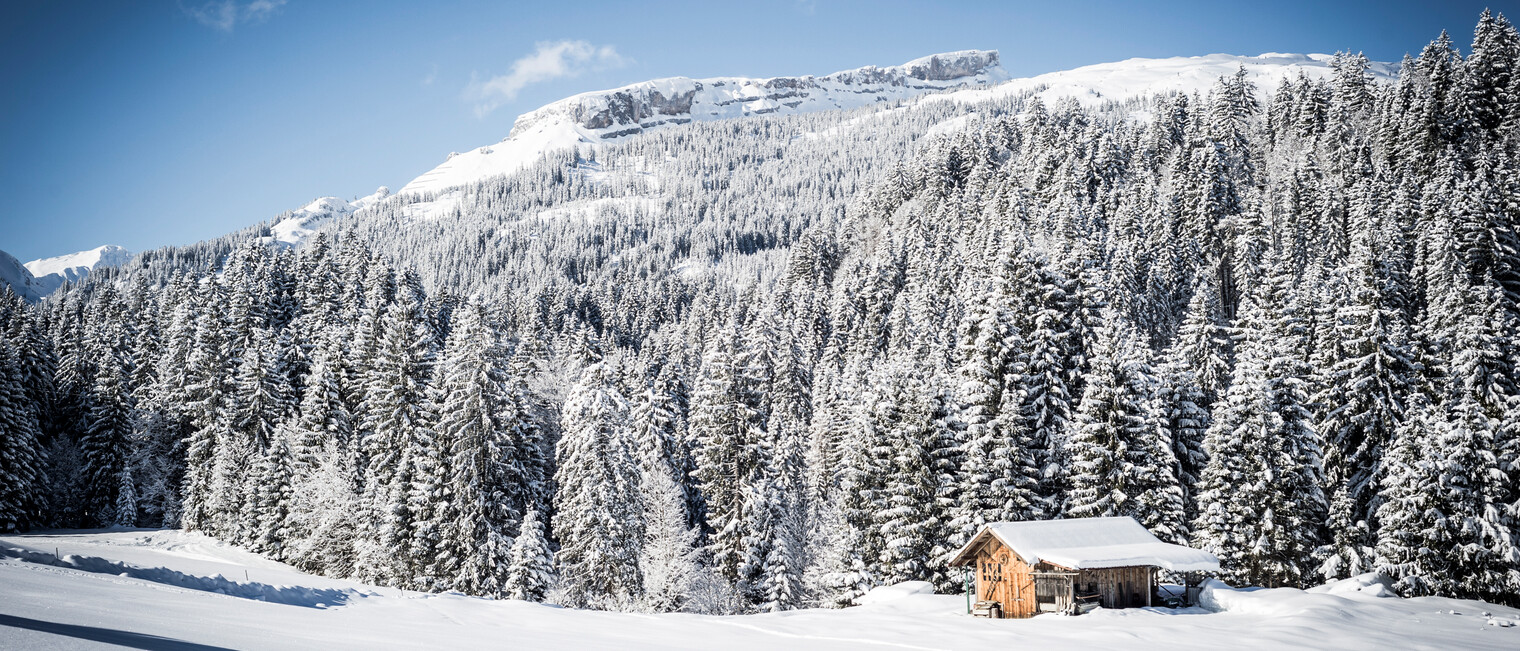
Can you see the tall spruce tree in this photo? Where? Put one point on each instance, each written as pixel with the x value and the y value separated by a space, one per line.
pixel 596 524
pixel 1122 461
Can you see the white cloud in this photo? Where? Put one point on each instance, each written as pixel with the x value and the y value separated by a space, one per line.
pixel 226 14
pixel 551 60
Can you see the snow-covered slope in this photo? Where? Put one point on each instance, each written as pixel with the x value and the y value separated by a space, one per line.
pixel 294 227
pixel 972 76
pixel 51 273
pixel 16 276
pixel 1122 80
pixel 175 590
pixel 609 114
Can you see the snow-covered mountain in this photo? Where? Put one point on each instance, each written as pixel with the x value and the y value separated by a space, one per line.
pixel 15 275
pixel 51 273
pixel 620 112
pixel 588 119
pixel 970 76
pixel 294 227
pixel 1130 78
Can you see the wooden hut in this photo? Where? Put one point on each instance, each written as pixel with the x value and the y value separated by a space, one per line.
pixel 1023 569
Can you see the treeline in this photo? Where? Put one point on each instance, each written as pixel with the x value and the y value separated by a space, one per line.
pixel 1283 331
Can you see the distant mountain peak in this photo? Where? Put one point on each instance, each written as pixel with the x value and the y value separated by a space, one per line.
pixel 51 273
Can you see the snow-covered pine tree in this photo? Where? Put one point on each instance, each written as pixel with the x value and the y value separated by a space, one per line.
pixel 530 573
pixel 1122 461
pixel 395 439
pixel 1045 385
pixel 324 415
pixel 986 342
pixel 20 462
pixel 1179 401
pixel 838 573
pixel 205 394
pixel 596 523
pixel 1412 528
pixel 1362 395
pixel 1259 499
pixel 669 558
pixel 275 497
pixel 909 519
pixel 326 515
pixel 726 426
pixel 1202 344
pixel 105 440
pixel 781 572
pixel 476 508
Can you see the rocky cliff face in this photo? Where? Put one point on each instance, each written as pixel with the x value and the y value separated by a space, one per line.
pixel 677 100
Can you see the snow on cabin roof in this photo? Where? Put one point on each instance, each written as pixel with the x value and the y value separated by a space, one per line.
pixel 1092 543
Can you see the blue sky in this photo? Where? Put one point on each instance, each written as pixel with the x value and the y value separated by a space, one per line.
pixel 159 122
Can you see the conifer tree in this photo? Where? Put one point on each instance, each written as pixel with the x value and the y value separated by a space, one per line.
pixel 326 515
pixel 395 441
pixel 105 441
pixel 726 425
pixel 595 522
pixel 1122 461
pixel 274 501
pixel 124 513
pixel 1259 499
pixel 530 574
pixel 20 463
pixel 1364 390
pixel 669 558
pixel 478 498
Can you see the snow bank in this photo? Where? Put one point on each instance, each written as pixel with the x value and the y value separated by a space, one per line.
pixel 897 592
pixel 288 595
pixel 1372 583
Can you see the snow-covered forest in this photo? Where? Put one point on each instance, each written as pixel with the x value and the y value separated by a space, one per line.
pixel 773 362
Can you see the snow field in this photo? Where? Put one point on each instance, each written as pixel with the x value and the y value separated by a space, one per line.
pixel 171 589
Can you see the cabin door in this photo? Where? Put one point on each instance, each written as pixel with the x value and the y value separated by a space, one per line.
pixel 1021 586
pixel 989 577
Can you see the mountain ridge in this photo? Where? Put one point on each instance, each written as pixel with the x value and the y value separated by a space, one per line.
pixel 602 115
pixel 594 117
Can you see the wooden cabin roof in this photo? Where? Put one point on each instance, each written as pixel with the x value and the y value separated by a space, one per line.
pixel 1088 543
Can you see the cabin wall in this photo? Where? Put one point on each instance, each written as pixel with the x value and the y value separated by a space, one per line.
pixel 1003 577
pixel 1121 587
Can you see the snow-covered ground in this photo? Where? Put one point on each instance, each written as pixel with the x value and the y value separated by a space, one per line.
pixel 168 589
